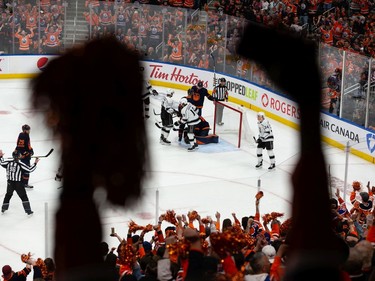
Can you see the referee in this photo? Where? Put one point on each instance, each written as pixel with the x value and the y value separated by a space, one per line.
pixel 14 169
pixel 220 93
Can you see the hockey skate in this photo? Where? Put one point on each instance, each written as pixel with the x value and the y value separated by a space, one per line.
pixel 164 141
pixel 29 186
pixel 220 123
pixel 193 147
pixel 272 167
pixel 259 165
pixel 29 213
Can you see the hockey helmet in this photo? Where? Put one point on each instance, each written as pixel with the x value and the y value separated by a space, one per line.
pixel 365 196
pixel 261 114
pixel 25 127
pixel 200 84
pixel 222 80
pixel 183 102
pixel 170 93
pixel 16 155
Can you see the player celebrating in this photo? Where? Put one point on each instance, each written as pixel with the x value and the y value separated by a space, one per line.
pixel 189 117
pixel 198 96
pixel 265 141
pixel 168 108
pixel 24 148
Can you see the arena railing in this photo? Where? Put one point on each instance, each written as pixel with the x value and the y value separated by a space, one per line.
pixel 208 39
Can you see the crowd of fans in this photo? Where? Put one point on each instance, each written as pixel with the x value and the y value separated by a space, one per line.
pixel 255 246
pixel 31 27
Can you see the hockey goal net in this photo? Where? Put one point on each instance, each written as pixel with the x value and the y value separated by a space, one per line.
pixel 235 128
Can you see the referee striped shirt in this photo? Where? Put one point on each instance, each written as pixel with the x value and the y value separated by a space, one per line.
pixel 220 93
pixel 14 169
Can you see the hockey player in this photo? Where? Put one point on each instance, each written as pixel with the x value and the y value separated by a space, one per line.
pixel 168 108
pixel 148 91
pixel 198 95
pixel 265 141
pixel 189 117
pixel 24 148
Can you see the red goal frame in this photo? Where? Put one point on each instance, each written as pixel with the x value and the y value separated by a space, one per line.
pixel 234 109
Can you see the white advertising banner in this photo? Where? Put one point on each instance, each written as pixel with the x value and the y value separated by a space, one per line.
pixel 22 65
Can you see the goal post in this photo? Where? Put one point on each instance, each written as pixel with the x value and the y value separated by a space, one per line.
pixel 235 128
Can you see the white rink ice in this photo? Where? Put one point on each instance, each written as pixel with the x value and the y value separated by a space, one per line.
pixel 218 177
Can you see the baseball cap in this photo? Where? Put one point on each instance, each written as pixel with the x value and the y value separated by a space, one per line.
pixel 270 252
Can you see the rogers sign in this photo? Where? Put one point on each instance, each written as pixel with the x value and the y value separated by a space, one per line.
pixel 176 75
pixel 280 106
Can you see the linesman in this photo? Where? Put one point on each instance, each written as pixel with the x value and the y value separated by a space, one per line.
pixel 14 169
pixel 220 93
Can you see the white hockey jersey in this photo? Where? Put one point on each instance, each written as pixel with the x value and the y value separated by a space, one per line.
pixel 169 104
pixel 265 131
pixel 190 115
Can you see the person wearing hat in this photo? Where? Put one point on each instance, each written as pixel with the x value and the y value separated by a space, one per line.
pixel 265 141
pixel 364 206
pixel 10 275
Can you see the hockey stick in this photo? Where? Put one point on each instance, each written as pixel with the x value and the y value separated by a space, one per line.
pixel 44 156
pixel 213 59
pixel 41 156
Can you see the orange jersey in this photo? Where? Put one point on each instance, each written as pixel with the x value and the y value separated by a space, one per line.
pixel 24 41
pixel 189 4
pixel 176 50
pixel 52 39
pixel 31 20
pixel 327 36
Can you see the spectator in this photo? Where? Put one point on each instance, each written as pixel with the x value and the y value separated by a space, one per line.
pixel 9 274
pixel 85 104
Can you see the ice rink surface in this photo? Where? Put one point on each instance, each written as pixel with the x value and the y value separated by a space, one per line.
pixel 215 178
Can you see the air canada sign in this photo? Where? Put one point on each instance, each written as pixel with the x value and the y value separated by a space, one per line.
pixel 339 130
pixel 280 106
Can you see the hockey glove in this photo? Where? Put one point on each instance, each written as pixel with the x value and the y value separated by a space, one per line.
pixel 154 92
pixel 170 110
pixel 25 154
pixel 259 140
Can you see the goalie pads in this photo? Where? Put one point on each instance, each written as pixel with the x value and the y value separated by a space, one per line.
pixel 207 139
